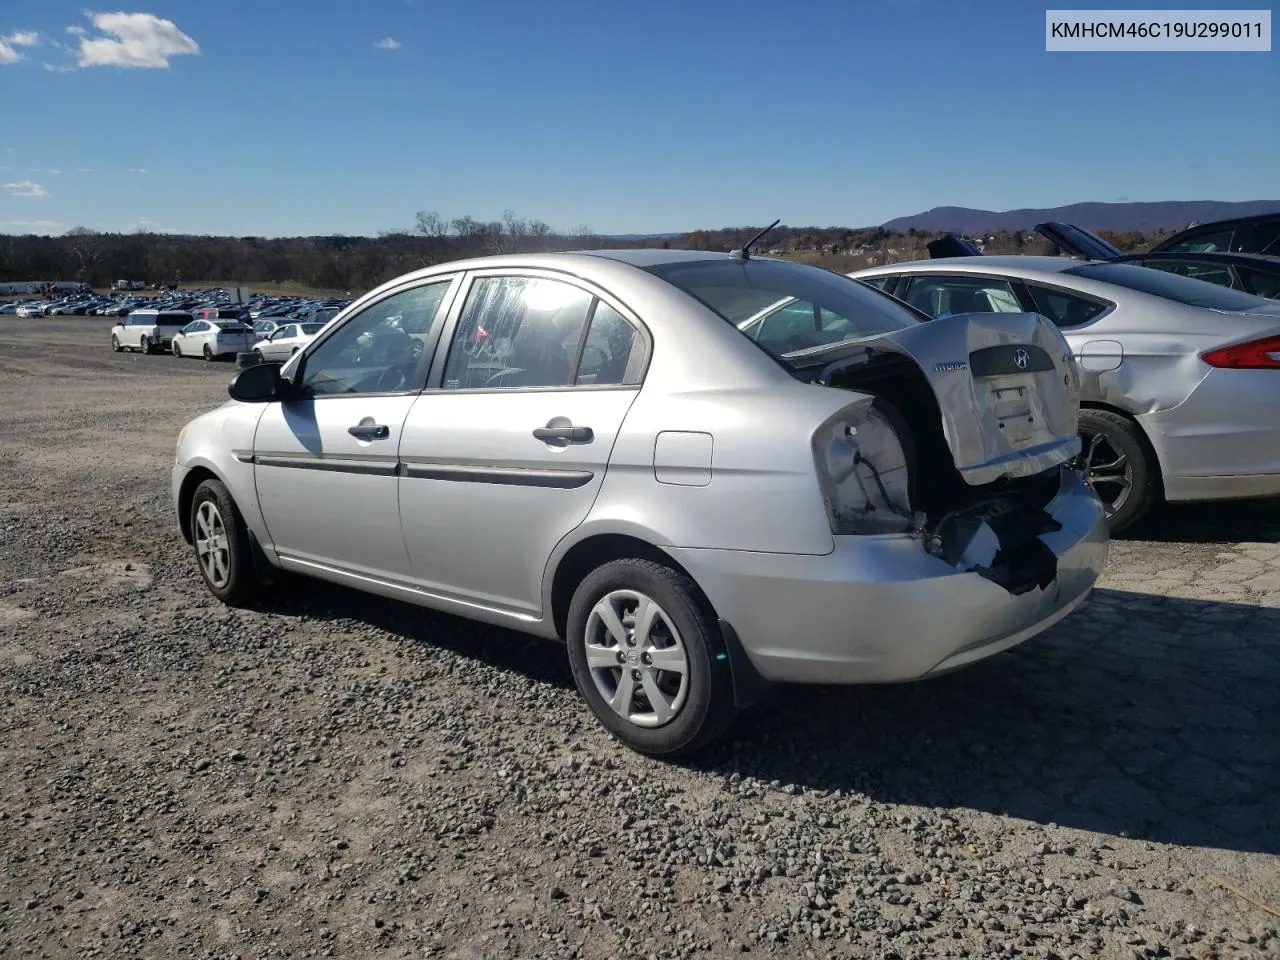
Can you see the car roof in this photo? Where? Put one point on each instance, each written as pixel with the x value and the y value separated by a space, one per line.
pixel 654 256
pixel 1209 256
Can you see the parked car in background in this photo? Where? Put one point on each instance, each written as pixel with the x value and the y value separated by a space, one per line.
pixel 286 340
pixel 212 339
pixel 584 446
pixel 1257 234
pixel 1179 377
pixel 147 330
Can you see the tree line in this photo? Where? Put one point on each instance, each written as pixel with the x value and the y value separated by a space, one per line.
pixel 356 263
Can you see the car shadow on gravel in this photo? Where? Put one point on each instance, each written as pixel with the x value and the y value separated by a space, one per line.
pixel 538 659
pixel 1140 715
pixel 1231 521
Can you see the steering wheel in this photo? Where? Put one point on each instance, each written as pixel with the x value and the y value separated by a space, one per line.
pixel 390 380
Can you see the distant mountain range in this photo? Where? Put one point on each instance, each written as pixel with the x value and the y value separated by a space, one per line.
pixel 1121 217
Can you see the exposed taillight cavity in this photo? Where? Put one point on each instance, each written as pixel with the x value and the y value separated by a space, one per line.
pixel 863 473
pixel 1263 354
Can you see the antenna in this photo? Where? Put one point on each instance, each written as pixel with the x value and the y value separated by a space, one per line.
pixel 744 253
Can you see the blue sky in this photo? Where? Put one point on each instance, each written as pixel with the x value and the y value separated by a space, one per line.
pixel 272 117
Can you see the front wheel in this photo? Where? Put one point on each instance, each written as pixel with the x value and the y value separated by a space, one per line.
pixel 115 343
pixel 177 348
pixel 1117 465
pixel 144 345
pixel 643 645
pixel 208 354
pixel 221 542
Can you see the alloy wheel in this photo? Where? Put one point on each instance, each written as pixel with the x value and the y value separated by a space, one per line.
pixel 637 658
pixel 1106 469
pixel 212 549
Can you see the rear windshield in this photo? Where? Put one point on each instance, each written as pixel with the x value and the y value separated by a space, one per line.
pixel 1171 286
pixel 173 319
pixel 229 325
pixel 789 309
pixel 310 328
pixel 235 314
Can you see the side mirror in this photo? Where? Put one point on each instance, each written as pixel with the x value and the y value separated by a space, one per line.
pixel 260 383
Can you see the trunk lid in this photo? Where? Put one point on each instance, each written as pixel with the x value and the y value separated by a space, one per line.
pixel 1006 384
pixel 1078 242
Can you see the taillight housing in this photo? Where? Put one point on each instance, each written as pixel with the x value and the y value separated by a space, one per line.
pixel 1263 354
pixel 863 473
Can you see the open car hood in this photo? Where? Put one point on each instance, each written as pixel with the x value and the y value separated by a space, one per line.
pixel 951 245
pixel 1007 387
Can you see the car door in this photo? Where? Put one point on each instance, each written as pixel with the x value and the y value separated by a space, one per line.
pixel 272 346
pixel 325 460
pixel 504 454
pixel 187 337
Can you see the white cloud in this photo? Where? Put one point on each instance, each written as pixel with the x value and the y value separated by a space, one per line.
pixel 388 43
pixel 56 172
pixel 25 188
pixel 45 227
pixel 20 38
pixel 85 170
pixel 136 170
pixel 58 67
pixel 132 40
pixel 76 31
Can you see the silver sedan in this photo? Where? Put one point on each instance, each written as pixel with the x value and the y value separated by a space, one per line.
pixel 1180 378
pixel 587 447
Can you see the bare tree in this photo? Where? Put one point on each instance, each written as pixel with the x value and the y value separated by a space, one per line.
pixel 431 224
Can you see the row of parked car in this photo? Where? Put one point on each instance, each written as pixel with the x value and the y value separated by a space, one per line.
pixel 213 332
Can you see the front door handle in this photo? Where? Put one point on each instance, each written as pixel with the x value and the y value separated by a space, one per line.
pixel 370 431
pixel 571 434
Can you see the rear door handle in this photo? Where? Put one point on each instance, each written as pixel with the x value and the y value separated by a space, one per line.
pixel 370 431
pixel 572 434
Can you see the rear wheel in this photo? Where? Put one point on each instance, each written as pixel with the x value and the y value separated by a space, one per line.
pixel 208 354
pixel 177 348
pixel 144 345
pixel 115 343
pixel 1117 465
pixel 642 647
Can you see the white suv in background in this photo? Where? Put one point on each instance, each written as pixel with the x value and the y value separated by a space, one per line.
pixel 148 330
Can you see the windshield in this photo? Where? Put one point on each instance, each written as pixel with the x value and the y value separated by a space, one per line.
pixel 1171 286
pixel 789 309
pixel 311 328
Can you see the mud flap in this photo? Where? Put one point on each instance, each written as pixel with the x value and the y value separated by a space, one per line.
pixel 1000 540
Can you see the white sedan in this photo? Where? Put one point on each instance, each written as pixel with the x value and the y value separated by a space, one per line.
pixel 212 338
pixel 283 342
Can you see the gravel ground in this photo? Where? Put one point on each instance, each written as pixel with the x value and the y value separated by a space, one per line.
pixel 335 775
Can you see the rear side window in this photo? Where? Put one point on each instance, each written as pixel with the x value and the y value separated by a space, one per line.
pixel 612 351
pixel 1171 286
pixel 1260 283
pixel 880 283
pixel 517 332
pixel 1064 309
pixel 1265 238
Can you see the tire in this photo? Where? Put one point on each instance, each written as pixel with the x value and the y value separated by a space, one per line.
pixel 115 343
pixel 208 354
pixel 702 703
pixel 230 577
pixel 144 345
pixel 1118 465
pixel 176 348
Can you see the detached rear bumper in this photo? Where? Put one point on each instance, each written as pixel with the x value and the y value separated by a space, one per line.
pixel 882 610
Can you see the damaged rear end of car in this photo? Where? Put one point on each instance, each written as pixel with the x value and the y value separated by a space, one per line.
pixel 963 436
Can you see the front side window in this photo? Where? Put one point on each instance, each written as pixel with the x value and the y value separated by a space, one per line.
pixel 1217 241
pixel 1064 309
pixel 945 296
pixel 372 352
pixel 517 332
